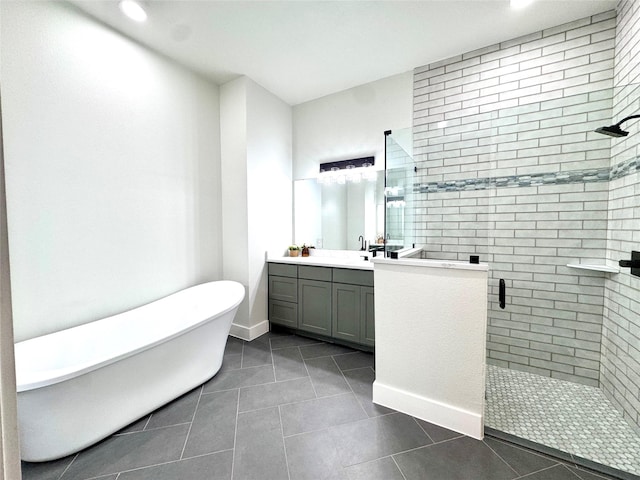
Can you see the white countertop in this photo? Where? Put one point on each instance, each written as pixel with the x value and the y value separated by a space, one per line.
pixel 431 263
pixel 354 262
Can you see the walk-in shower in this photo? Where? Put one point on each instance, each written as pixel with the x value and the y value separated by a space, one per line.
pixel 553 207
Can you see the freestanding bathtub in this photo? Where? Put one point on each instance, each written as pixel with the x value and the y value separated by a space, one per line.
pixel 77 386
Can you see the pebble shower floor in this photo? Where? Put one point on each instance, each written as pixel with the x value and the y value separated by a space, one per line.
pixel 570 417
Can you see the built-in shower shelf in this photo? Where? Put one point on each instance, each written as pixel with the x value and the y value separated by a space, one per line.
pixel 597 268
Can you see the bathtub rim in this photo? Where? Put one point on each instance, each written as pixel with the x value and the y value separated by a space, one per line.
pixel 69 373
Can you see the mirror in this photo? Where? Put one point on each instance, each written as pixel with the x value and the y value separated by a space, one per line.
pixel 335 216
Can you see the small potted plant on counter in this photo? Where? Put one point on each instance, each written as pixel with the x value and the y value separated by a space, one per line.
pixel 294 250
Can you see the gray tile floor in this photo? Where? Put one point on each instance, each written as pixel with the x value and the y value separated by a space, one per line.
pixel 287 407
pixel 577 419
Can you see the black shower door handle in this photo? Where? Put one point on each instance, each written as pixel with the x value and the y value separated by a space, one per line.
pixel 502 290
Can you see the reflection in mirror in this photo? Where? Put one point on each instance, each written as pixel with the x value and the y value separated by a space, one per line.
pixel 401 174
pixel 335 216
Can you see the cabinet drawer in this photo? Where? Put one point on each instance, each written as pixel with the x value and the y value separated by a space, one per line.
pixel 283 288
pixel 283 313
pixel 314 273
pixel 283 270
pixel 353 277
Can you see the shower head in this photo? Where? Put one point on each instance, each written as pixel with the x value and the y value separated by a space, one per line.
pixel 612 131
pixel 615 130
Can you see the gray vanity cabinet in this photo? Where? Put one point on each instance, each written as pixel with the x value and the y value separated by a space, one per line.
pixel 331 302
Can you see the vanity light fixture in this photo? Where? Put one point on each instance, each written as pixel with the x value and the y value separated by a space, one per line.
pixel 133 10
pixel 343 171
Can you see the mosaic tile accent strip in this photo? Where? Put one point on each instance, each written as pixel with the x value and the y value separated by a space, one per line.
pixel 532 180
pixel 625 168
pixel 574 418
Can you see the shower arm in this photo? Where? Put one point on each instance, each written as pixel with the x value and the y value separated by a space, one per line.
pixel 626 118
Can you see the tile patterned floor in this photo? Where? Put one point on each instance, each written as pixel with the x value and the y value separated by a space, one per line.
pixel 567 416
pixel 285 407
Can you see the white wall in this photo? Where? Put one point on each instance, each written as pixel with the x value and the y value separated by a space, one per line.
pixel 269 187
pixel 257 192
pixel 233 147
pixel 112 167
pixel 350 124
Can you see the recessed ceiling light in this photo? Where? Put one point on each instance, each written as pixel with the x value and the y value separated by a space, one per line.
pixel 133 10
pixel 516 4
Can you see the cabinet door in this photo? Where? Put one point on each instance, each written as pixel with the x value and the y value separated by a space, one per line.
pixel 283 313
pixel 367 327
pixel 314 306
pixel 346 312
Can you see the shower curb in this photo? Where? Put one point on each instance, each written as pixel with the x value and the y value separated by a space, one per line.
pixel 589 465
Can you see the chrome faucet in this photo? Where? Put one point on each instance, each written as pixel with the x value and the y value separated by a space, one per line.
pixel 362 242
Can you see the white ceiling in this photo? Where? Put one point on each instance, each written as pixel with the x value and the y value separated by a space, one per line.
pixel 302 50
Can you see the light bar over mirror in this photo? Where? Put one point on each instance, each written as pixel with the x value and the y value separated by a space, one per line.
pixel 344 171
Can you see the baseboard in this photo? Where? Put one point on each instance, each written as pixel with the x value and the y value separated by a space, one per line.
pixel 432 411
pixel 249 333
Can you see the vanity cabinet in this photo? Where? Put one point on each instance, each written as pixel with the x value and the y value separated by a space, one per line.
pixel 335 303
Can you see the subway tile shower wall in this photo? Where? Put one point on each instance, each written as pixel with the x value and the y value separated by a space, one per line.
pixel 509 168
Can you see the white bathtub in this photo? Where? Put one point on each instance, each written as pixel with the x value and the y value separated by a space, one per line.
pixel 77 386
